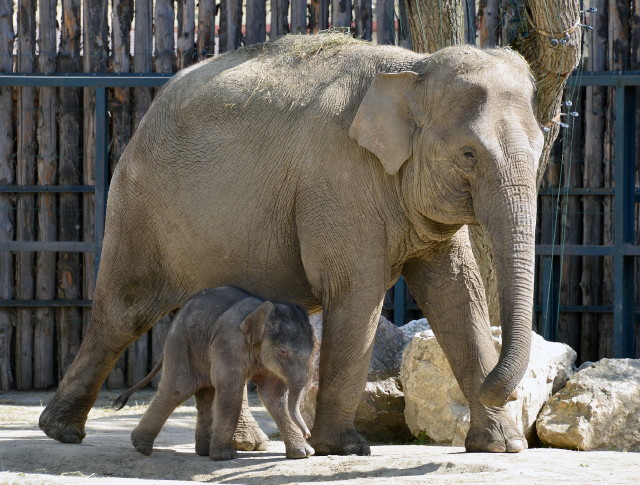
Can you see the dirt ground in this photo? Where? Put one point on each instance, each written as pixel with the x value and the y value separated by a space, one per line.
pixel 106 455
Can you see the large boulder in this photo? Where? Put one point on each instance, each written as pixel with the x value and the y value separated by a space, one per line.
pixel 380 414
pixel 598 409
pixel 435 405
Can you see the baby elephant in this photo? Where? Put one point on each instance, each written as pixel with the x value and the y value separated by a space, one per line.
pixel 221 338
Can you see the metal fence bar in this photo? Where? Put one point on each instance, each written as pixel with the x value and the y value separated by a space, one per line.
pixel 85 80
pixel 54 246
pixel 36 189
pixel 45 303
pixel 101 173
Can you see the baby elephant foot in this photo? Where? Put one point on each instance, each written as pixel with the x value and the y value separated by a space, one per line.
pixel 299 451
pixel 249 437
pixel 495 432
pixel 326 442
pixel 142 443
pixel 222 453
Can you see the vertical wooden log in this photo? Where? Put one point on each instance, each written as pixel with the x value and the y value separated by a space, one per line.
pixel 341 13
pixel 186 26
pixel 234 24
pixel 319 19
pixel 488 22
pixel 279 19
pixel 47 167
pixel 122 14
pixel 222 27
pixel 69 170
pixel 256 22
pixel 635 65
pixel 435 24
pixel 594 119
pixel 469 21
pixel 138 352
pixel 163 31
pixel 207 27
pixel 7 170
pixel 364 19
pixel 25 175
pixel 95 59
pixel 385 19
pixel 299 16
pixel 404 33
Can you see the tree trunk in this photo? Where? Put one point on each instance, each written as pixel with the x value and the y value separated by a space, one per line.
pixel 7 170
pixel 69 170
pixel 47 167
pixel 25 175
pixel 435 24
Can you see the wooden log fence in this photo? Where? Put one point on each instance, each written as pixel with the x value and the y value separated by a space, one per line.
pixel 47 139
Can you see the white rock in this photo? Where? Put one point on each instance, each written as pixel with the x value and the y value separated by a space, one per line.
pixel 598 409
pixel 436 406
pixel 413 327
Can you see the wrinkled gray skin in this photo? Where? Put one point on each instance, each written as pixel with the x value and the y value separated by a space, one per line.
pixel 221 338
pixel 318 171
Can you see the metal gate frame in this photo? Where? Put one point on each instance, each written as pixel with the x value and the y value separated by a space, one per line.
pixel 624 193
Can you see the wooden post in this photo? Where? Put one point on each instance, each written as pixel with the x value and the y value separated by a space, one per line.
pixel 43 362
pixel 635 65
pixel 163 31
pixel 279 18
pixel 341 13
pixel 234 24
pixel 319 15
pixel 404 34
pixel 299 16
pixel 122 14
pixel 7 170
pixel 69 170
pixel 138 352
pixel 207 28
pixel 186 26
pixel 364 19
pixel 95 59
pixel 435 24
pixel 256 22
pixel 592 228
pixel 488 21
pixel 25 175
pixel 385 19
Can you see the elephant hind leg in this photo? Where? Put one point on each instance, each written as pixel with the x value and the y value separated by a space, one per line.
pixel 248 435
pixel 129 299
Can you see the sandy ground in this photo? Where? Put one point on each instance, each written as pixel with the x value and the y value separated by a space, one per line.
pixel 106 456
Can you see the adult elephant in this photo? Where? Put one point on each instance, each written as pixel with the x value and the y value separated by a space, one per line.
pixel 318 169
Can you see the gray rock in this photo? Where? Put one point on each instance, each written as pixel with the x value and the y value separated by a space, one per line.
pixel 436 406
pixel 413 327
pixel 598 409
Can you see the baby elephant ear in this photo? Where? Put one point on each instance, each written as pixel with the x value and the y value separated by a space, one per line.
pixel 384 123
pixel 253 325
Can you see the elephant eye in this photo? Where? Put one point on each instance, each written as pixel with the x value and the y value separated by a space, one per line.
pixel 283 353
pixel 468 154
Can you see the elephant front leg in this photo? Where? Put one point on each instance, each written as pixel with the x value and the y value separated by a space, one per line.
pixel 349 327
pixel 449 290
pixel 248 435
pixel 273 393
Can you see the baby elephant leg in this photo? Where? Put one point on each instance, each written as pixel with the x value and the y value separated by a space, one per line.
pixel 248 435
pixel 273 393
pixel 161 407
pixel 227 405
pixel 204 422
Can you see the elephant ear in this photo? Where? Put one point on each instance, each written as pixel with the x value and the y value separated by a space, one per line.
pixel 253 325
pixel 384 123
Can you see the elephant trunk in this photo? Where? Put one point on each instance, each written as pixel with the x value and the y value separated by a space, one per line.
pixel 295 397
pixel 509 217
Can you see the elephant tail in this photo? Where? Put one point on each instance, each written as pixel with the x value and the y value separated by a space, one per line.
pixel 122 399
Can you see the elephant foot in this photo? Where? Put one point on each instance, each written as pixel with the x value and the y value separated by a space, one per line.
pixel 64 421
pixel 141 442
pixel 249 437
pixel 222 453
pixel 299 451
pixel 494 432
pixel 202 449
pixel 346 443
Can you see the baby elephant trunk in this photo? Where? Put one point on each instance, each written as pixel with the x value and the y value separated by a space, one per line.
pixel 295 396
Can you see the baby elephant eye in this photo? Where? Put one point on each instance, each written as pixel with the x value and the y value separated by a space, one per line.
pixel 283 353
